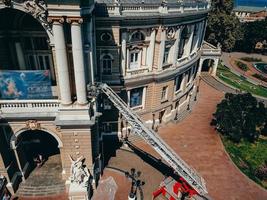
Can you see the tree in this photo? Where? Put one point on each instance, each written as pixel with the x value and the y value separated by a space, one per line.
pixel 253 33
pixel 240 116
pixel 223 26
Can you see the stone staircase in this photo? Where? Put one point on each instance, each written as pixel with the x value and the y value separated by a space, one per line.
pixel 44 181
pixel 213 82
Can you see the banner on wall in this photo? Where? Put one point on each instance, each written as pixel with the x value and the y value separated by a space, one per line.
pixel 32 84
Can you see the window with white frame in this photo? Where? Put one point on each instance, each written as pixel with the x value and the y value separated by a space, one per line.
pixel 107 64
pixel 134 61
pixel 178 82
pixel 136 97
pixel 166 54
pixel 164 93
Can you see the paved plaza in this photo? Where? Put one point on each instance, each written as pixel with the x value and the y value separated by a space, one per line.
pixel 198 144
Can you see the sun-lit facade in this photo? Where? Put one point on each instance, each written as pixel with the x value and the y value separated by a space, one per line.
pixel 147 51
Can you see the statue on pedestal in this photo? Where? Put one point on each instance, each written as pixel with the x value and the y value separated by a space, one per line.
pixel 80 175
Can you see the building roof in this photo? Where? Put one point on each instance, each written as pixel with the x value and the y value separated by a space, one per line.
pixel 249 8
pixel 148 1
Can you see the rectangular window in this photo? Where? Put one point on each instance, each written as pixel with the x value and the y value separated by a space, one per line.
pixel 179 80
pixel 164 93
pixel 136 97
pixel 134 60
pixel 166 55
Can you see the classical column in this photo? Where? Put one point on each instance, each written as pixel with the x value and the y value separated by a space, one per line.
pixel 14 148
pixel 62 62
pixel 20 56
pixel 176 45
pixel 162 48
pixel 214 67
pixel 78 61
pixel 123 53
pixel 189 43
pixel 151 49
pixel 200 65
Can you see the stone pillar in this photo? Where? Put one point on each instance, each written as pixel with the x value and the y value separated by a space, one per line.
pixel 123 53
pixel 189 42
pixel 14 148
pixel 176 45
pixel 151 49
pixel 62 62
pixel 78 61
pixel 214 67
pixel 91 51
pixel 20 56
pixel 162 48
pixel 200 65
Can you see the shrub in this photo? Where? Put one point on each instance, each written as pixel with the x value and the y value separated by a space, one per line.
pixel 251 59
pixel 239 116
pixel 242 66
pixel 261 172
pixel 260 77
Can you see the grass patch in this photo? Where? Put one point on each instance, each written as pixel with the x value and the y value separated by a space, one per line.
pixel 248 156
pixel 241 66
pixel 240 82
pixel 251 59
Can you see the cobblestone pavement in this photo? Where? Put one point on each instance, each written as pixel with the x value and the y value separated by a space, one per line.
pixel 199 145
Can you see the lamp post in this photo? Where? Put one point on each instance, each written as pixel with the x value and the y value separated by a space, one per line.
pixel 136 183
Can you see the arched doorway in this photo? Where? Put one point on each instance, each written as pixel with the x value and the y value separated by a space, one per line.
pixel 208 65
pixel 30 145
pixel 24 43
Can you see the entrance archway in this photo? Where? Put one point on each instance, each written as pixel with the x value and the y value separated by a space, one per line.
pixel 208 65
pixel 30 145
pixel 24 43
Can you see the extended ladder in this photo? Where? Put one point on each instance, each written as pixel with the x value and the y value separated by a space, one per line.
pixel 153 139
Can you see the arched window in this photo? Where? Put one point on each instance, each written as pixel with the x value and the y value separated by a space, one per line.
pixel 137 36
pixel 107 64
pixel 183 41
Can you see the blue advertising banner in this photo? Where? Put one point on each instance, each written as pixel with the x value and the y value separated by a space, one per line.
pixel 32 84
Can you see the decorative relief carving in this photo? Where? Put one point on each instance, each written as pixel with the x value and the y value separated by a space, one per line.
pixel 33 125
pixel 38 9
pixel 170 33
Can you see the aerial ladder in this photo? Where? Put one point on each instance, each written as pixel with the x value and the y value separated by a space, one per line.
pixel 190 182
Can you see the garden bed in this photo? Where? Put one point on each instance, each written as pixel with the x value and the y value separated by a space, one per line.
pixel 240 82
pixel 248 156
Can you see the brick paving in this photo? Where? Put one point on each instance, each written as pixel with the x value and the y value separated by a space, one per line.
pixel 199 145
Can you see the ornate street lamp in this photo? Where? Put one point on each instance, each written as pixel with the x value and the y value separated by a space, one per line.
pixel 136 183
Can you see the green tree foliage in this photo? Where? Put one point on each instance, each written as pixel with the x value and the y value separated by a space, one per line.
pixel 253 32
pixel 223 26
pixel 240 116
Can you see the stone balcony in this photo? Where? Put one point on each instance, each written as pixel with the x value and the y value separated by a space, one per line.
pixel 48 109
pixel 128 8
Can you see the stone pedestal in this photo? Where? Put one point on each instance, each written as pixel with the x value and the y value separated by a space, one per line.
pixel 77 192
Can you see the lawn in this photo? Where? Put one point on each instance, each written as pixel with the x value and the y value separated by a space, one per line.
pixel 248 156
pixel 240 82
